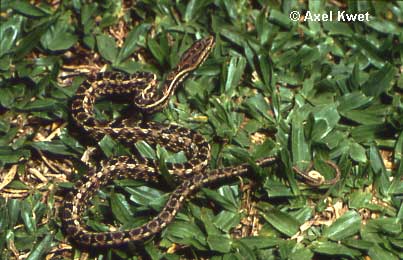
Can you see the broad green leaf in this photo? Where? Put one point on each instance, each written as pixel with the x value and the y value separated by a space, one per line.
pixel 27 9
pixel 145 150
pixel 41 248
pixel 235 71
pixel 28 216
pixel 223 201
pixel 369 50
pixel 261 242
pixel 29 42
pixel 300 146
pixel 280 19
pixel 283 222
pixel 345 226
pixel 8 36
pixel 59 37
pixel 120 208
pixel 46 104
pixel 156 50
pixel 55 147
pixel 187 233
pixel 357 153
pixel 359 200
pixel 334 249
pixel 337 28
pixel 378 253
pixel 107 47
pixel 131 41
pixel 226 220
pixel 143 195
pixel 353 100
pixel 379 81
pixel 111 147
pixel 301 253
pixel 218 243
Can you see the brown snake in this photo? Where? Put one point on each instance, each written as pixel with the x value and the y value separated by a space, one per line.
pixel 142 87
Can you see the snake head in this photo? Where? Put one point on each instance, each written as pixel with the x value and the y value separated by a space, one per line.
pixel 196 54
pixel 150 100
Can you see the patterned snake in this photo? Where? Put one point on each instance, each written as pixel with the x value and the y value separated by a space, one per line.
pixel 142 88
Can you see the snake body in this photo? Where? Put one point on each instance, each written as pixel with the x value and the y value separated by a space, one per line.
pixel 142 88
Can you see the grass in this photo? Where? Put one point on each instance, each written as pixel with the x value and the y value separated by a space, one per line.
pixel 301 91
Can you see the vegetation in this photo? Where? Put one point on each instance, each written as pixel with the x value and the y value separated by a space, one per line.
pixel 299 90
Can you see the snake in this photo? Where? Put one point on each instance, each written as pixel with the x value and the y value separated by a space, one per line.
pixel 148 98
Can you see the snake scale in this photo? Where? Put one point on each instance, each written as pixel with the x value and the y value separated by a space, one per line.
pixel 147 97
